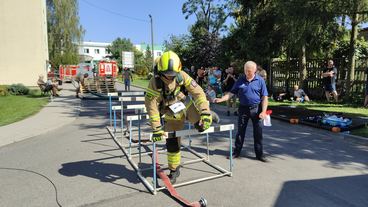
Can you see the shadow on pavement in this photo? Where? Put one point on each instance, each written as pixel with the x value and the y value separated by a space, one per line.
pixel 98 169
pixel 337 191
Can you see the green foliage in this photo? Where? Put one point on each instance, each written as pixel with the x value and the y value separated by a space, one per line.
pixel 64 31
pixel 118 46
pixel 181 46
pixel 18 89
pixel 4 91
pixel 205 32
pixel 342 48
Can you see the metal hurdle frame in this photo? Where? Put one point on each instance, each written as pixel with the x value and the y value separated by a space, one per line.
pixel 182 133
pixel 116 94
pixel 153 187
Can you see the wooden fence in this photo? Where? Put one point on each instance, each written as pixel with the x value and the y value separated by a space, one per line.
pixel 284 75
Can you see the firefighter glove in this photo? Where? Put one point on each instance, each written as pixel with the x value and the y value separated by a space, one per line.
pixel 157 135
pixel 205 121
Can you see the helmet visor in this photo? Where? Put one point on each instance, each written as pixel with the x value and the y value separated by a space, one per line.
pixel 169 73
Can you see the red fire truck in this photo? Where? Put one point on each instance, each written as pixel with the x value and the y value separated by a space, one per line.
pixel 68 72
pixel 107 69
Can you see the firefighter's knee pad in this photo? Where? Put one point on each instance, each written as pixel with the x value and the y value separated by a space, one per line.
pixel 173 144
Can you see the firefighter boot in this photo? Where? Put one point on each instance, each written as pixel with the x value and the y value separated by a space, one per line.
pixel 174 174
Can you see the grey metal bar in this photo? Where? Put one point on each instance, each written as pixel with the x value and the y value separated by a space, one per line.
pixel 231 151
pixel 139 135
pixel 208 151
pixel 131 162
pixel 130 138
pixel 165 167
pixel 122 121
pixel 154 176
pixel 110 111
pixel 114 121
pixel 196 181
pixel 207 162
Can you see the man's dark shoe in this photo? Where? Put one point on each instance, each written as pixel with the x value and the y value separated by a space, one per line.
pixel 174 174
pixel 262 159
pixel 228 113
pixel 235 155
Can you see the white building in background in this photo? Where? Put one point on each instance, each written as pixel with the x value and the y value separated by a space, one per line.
pixel 157 49
pixel 98 50
pixel 94 50
pixel 23 35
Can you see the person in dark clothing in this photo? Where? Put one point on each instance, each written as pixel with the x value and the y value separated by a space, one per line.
pixel 253 97
pixel 200 76
pixel 127 78
pixel 228 83
pixel 329 77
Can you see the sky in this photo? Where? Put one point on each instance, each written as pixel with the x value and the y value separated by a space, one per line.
pixel 106 20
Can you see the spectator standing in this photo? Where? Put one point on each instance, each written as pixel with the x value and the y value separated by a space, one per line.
pixel 262 72
pixel 217 73
pixel 127 77
pixel 253 97
pixel 329 77
pixel 200 76
pixel 193 72
pixel 229 80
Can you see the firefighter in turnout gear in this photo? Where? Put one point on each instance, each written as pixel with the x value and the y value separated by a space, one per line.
pixel 165 100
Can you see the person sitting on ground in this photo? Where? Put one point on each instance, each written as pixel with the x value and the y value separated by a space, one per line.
pixel 300 95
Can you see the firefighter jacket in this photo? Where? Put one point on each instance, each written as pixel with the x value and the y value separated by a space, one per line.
pixel 161 93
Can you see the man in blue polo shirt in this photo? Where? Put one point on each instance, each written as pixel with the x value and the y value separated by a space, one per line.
pixel 253 96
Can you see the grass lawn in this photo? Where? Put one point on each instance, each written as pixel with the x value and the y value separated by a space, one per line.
pixel 140 83
pixel 326 107
pixel 15 108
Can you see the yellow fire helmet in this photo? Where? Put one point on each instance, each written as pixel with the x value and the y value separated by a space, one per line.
pixel 169 64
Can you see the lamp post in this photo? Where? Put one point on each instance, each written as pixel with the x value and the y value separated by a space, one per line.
pixel 152 53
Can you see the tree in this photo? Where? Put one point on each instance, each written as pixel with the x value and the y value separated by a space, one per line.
pixel 357 10
pixel 147 60
pixel 119 45
pixel 205 33
pixel 64 31
pixel 180 45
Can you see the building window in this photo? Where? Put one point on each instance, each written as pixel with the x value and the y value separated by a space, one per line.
pixel 158 53
pixel 107 51
pixel 97 51
pixel 86 50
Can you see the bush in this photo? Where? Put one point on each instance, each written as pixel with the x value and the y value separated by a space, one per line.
pixel 4 91
pixel 18 89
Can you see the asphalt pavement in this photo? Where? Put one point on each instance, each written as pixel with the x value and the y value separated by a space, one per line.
pixel 78 164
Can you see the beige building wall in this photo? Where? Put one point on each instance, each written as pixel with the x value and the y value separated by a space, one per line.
pixel 23 41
